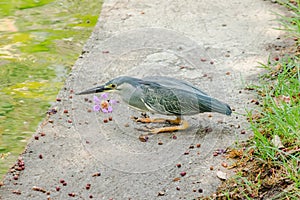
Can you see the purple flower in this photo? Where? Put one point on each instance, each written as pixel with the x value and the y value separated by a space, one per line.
pixel 103 103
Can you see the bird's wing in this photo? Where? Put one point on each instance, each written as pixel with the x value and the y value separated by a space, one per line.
pixel 168 101
pixel 174 83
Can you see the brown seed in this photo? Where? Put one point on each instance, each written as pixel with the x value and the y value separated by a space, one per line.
pixel 96 174
pixel 66 111
pixel 182 173
pixel 36 137
pixel 224 164
pixel 50 121
pixel 191 146
pixel 227 73
pixel 86 99
pixel 143 138
pixel 203 59
pixel 43 134
pixel 91 196
pixel 58 99
pixel 105 120
pixel 186 153
pixel 69 121
pixel 72 194
pixel 41 156
pixel 57 188
pixel 16 177
pixel 61 180
pixel 89 110
pixel 211 62
pixel 200 190
pixel 215 154
pixel 88 186
pixel 243 131
pixel 160 143
pixel 174 137
pixel 70 97
pixel 194 190
pixel 198 145
pixel 105 51
pixel 110 118
pixel 211 167
pixel 176 179
pixel 177 188
pixel 276 59
pixel 178 165
pixel 64 183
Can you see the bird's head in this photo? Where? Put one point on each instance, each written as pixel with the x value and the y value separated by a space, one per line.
pixel 117 84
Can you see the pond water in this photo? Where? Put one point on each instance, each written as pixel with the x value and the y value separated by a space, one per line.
pixel 40 41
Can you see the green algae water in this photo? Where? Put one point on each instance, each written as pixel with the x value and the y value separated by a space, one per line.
pixel 40 41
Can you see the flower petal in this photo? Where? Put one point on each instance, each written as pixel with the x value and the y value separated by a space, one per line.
pixel 109 109
pixel 96 108
pixel 113 102
pixel 104 110
pixel 104 95
pixel 96 100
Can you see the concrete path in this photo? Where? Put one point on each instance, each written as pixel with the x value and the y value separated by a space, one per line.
pixel 214 44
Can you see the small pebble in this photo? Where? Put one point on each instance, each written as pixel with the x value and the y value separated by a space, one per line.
pixel 198 145
pixel 160 143
pixel 243 131
pixel 211 62
pixel 161 193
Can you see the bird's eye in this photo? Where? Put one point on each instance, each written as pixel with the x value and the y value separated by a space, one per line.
pixel 113 85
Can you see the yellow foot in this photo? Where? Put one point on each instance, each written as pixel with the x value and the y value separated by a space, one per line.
pixel 152 131
pixel 176 121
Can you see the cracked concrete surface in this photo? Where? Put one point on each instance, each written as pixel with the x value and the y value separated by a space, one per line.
pixel 216 45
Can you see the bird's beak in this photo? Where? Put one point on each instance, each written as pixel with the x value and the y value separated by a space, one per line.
pixel 97 89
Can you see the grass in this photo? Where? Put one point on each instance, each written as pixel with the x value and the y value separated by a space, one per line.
pixel 267 166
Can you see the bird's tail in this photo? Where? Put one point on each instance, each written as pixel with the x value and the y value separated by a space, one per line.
pixel 220 107
pixel 209 104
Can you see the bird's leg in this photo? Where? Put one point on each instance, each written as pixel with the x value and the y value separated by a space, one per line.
pixel 180 125
pixel 159 120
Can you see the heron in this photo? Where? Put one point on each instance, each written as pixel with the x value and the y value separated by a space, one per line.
pixel 162 95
